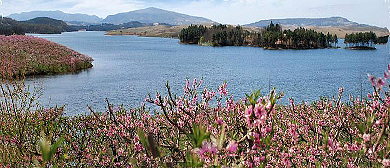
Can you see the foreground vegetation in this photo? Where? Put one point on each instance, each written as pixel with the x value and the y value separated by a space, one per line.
pixel 271 37
pixel 199 128
pixel 28 55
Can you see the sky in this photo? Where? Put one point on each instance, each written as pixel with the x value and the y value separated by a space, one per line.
pixel 373 12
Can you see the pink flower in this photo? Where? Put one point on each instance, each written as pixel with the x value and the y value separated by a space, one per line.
pixel 371 78
pixel 380 82
pixel 232 147
pixel 386 75
pixel 222 89
pixel 259 111
pixel 219 121
pixel 208 149
pixel 369 96
pixel 248 111
pixel 378 122
pixel 366 137
pixel 386 162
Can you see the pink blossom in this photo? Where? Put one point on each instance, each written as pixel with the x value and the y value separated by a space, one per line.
pixel 386 162
pixel 380 82
pixel 386 74
pixel 248 111
pixel 366 137
pixel 371 78
pixel 208 149
pixel 232 147
pixel 219 121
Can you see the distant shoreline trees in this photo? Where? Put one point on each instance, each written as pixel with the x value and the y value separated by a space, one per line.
pixel 271 37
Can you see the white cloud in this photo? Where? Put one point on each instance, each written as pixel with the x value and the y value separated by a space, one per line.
pixel 103 8
pixel 246 11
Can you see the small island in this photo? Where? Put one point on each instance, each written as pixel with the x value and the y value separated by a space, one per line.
pixel 28 55
pixel 364 41
pixel 270 37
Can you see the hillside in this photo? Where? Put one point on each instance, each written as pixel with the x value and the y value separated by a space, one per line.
pixel 333 25
pixel 40 25
pixel 150 31
pixel 80 18
pixel 29 55
pixel 155 15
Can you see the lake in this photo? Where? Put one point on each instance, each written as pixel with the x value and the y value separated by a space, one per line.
pixel 127 68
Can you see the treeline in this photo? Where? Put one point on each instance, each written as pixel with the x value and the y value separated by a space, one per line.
pixel 9 27
pixel 271 37
pixel 382 40
pixel 40 25
pixel 364 39
pixel 216 35
pixel 274 37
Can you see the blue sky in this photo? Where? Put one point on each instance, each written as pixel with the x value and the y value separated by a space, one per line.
pixel 374 12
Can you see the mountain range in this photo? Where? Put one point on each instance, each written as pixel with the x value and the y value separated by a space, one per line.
pixel 336 25
pixel 59 15
pixel 148 15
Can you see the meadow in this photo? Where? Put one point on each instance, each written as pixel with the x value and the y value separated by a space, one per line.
pixel 201 127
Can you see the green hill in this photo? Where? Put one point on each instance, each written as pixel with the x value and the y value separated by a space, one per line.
pixel 40 25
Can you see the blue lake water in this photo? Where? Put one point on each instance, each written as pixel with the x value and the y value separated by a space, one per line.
pixel 127 68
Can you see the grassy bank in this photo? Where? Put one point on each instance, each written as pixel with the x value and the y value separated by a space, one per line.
pixel 30 55
pixel 188 131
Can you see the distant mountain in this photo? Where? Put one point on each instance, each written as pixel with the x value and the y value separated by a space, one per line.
pixel 83 18
pixel 333 25
pixel 155 15
pixel 332 21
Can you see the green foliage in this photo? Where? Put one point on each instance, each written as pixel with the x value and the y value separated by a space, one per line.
pixel 252 98
pixel 192 34
pixel 47 149
pixel 199 134
pixel 192 160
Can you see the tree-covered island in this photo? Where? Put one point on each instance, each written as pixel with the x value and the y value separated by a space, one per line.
pixel 364 41
pixel 270 37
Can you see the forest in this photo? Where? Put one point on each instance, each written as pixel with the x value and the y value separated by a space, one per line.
pixel 40 25
pixel 270 37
